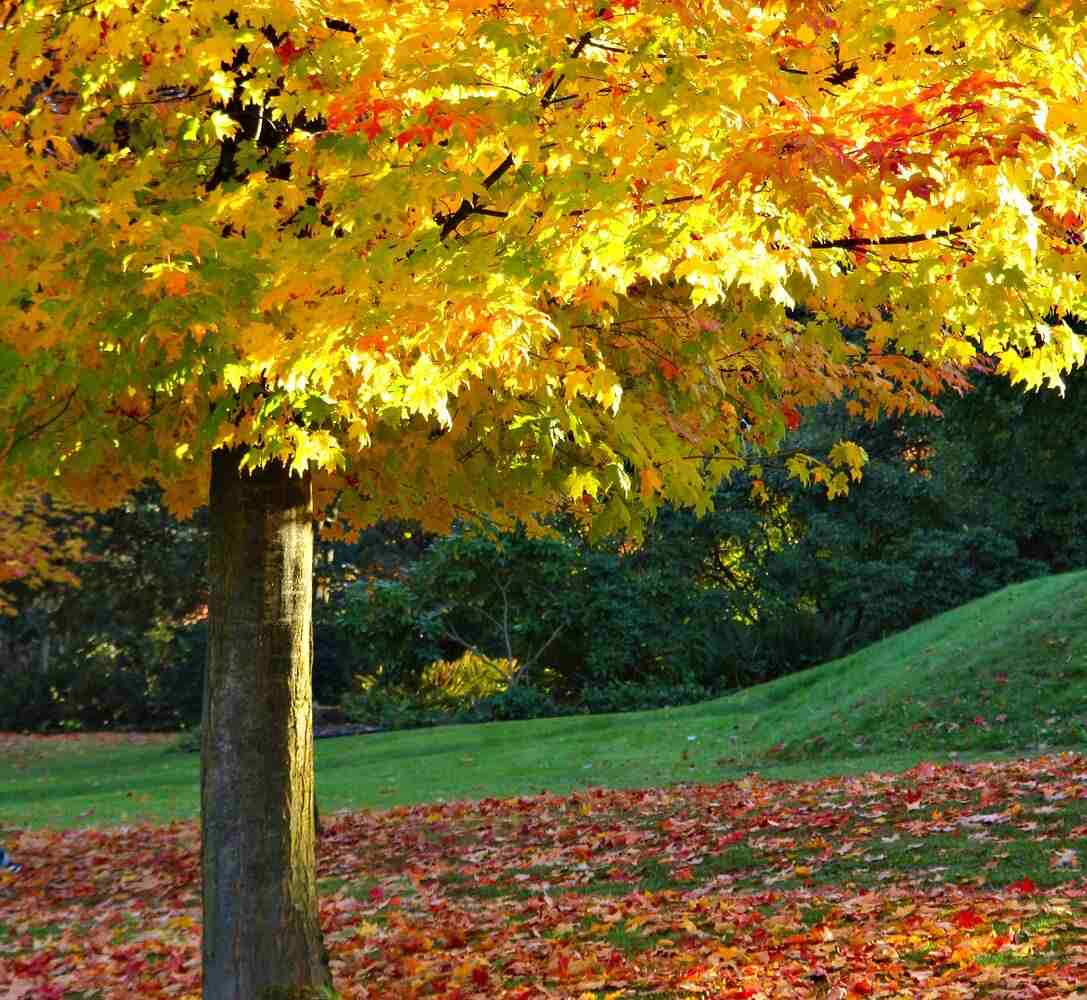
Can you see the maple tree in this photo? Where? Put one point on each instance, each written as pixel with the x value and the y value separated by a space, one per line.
pixel 34 551
pixel 431 258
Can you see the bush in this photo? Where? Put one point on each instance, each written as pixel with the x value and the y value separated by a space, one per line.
pixel 518 702
pixel 627 696
pixel 575 619
pixel 389 709
pixel 148 681
pixel 27 699
pixel 177 690
pixel 391 631
pixel 188 741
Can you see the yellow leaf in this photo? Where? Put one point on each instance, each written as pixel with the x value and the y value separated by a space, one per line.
pixel 222 125
pixel 582 482
pixel 575 382
pixel 221 85
pixel 596 298
pixel 851 455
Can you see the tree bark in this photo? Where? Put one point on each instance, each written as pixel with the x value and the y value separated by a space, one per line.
pixel 261 937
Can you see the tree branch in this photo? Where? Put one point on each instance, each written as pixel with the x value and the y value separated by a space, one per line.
pixel 9 14
pixel 856 242
pixel 336 24
pixel 466 208
pixel 449 223
pixel 20 438
pixel 528 664
pixel 606 48
pixel 496 175
pixel 504 590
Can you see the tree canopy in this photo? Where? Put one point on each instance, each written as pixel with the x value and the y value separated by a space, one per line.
pixel 459 256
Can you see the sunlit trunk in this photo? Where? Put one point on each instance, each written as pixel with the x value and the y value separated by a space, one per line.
pixel 261 935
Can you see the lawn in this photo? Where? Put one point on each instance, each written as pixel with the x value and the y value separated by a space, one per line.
pixel 1003 675
pixel 907 822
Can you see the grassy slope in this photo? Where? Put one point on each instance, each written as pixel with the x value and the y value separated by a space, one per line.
pixel 1007 673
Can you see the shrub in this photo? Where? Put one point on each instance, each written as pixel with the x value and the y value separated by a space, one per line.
pixel 520 701
pixel 389 709
pixel 188 741
pixel 628 696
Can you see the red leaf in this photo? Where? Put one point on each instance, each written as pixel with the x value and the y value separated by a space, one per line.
pixel 423 133
pixel 967 919
pixel 288 52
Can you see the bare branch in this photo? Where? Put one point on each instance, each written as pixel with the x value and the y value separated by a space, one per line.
pixel 468 208
pixel 501 86
pixel 9 14
pixel 452 635
pixel 496 175
pixel 336 24
pixel 606 48
pixel 504 590
pixel 856 242
pixel 45 424
pixel 528 664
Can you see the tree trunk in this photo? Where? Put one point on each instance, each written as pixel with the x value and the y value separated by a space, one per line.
pixel 261 935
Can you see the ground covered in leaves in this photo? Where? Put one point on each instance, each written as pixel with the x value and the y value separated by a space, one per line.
pixel 946 881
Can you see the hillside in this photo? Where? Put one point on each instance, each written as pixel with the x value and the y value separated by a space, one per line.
pixel 1006 673
pixel 1003 675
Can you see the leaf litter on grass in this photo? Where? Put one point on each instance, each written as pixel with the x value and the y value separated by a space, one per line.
pixel 943 881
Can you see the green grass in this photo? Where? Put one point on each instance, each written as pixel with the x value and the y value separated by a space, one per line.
pixel 1003 675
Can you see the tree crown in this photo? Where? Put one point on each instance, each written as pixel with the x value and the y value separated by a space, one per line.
pixel 453 255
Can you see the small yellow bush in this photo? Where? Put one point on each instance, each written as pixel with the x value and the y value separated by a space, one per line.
pixel 465 680
pixel 454 683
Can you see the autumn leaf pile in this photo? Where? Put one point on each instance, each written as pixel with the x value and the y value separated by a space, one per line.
pixel 945 881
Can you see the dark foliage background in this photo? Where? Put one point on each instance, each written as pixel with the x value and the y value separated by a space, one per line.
pixel 949 509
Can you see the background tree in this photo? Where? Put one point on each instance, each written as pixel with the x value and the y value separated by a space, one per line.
pixel 774 579
pixel 39 543
pixel 113 639
pixel 40 553
pixel 434 257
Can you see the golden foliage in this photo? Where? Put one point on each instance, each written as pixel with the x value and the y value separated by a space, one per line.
pixel 459 256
